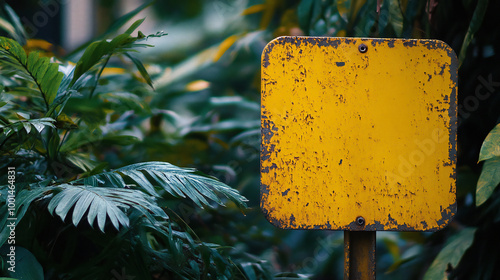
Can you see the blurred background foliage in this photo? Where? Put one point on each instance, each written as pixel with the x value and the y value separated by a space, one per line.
pixel 204 112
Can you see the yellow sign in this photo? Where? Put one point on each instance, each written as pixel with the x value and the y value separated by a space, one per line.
pixel 358 134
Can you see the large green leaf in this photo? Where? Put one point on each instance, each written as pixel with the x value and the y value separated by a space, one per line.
pixel 488 180
pixel 491 145
pixel 27 266
pixel 176 181
pixel 450 254
pixel 44 74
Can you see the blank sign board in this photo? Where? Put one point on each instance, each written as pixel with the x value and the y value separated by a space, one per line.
pixel 358 134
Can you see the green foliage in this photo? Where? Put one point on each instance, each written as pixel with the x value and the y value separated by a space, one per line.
pixel 49 136
pixel 175 181
pixel 27 124
pixel 94 188
pixel 489 180
pixel 468 27
pixel 122 43
pixel 451 254
pixel 490 175
pixel 101 203
pixel 491 145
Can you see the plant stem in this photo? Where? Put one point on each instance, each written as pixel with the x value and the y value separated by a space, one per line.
pixel 62 141
pixel 99 75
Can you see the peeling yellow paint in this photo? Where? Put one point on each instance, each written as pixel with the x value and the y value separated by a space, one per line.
pixel 348 134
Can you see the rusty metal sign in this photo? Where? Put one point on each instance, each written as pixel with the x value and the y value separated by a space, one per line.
pixel 358 134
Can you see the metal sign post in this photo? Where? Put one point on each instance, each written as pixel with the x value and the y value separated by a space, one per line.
pixel 359 255
pixel 358 135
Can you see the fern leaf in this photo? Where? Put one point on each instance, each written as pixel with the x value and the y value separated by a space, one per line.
pixel 101 204
pixel 178 182
pixel 44 74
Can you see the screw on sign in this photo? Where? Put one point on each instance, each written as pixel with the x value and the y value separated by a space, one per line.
pixel 358 135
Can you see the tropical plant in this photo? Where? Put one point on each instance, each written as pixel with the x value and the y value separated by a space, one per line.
pixel 69 208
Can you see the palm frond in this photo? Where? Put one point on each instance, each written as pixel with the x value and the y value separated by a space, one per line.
pixel 176 181
pixel 101 204
pixel 44 74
